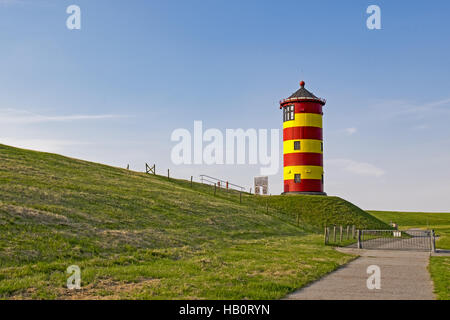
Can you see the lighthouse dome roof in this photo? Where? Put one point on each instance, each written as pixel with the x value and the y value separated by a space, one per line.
pixel 302 95
pixel 302 92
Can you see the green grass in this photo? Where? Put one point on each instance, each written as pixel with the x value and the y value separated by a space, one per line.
pixel 141 236
pixel 318 212
pixel 439 267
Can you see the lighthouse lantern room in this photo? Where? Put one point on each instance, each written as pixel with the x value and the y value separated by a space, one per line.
pixel 303 143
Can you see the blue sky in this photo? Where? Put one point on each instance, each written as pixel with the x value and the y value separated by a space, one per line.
pixel 114 91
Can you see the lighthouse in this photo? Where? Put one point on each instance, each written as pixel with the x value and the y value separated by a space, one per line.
pixel 303 143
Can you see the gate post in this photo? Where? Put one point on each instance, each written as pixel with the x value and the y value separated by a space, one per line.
pixel 359 239
pixel 433 242
pixel 326 235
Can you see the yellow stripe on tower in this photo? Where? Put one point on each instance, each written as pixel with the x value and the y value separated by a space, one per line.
pixel 306 145
pixel 304 120
pixel 307 172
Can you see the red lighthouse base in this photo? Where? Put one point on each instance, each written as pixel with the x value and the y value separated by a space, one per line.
pixel 306 186
pixel 311 193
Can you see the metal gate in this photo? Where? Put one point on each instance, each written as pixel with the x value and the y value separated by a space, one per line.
pixel 422 240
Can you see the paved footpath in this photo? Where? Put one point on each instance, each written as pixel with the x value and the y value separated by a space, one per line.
pixel 404 276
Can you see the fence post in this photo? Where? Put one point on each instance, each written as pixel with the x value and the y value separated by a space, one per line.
pixel 215 189
pixel 191 181
pixel 326 235
pixel 359 239
pixel 433 241
pixel 334 234
pixel 240 196
pixel 149 170
pixel 340 234
pixel 168 174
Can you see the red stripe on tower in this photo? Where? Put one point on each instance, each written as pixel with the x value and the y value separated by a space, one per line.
pixel 296 133
pixel 303 159
pixel 308 108
pixel 304 187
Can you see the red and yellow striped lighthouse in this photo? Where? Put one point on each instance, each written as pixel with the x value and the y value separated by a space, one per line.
pixel 303 143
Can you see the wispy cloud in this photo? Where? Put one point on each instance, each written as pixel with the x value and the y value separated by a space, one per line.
pixel 402 108
pixel 350 131
pixel 34 3
pixel 11 2
pixel 12 116
pixel 355 167
pixel 421 126
pixel 47 145
pixel 426 108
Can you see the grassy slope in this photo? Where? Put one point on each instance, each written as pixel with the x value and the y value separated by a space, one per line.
pixel 439 266
pixel 141 236
pixel 317 212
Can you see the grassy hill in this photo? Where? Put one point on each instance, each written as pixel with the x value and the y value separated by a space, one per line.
pixel 439 266
pixel 317 212
pixel 146 237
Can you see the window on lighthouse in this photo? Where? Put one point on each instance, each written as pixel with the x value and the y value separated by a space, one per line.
pixel 288 113
pixel 296 145
pixel 297 178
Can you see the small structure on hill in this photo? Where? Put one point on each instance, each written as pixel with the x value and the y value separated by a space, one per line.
pixel 262 185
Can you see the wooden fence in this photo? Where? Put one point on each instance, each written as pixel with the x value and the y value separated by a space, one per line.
pixel 339 234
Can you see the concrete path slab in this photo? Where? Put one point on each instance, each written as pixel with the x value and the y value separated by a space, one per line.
pixel 404 276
